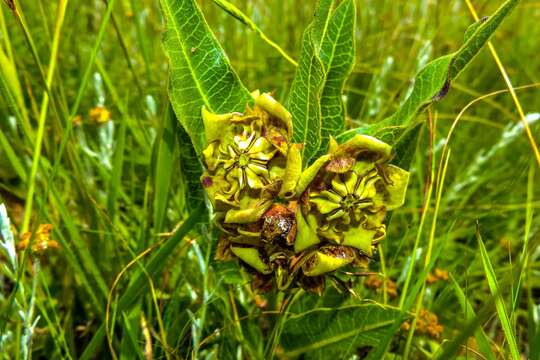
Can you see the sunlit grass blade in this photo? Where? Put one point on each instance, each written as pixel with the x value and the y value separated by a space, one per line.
pixel 499 301
pixel 244 19
pixel 481 337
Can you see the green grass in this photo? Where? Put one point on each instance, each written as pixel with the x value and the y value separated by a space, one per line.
pixel 133 275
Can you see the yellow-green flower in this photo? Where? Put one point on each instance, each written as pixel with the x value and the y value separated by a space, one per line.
pixel 345 196
pixel 250 162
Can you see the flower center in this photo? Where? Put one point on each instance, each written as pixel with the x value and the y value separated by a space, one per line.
pixel 348 202
pixel 243 160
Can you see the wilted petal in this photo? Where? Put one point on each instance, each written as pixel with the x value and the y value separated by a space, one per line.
pixel 379 151
pixel 309 174
pixel 293 169
pixel 268 103
pixel 246 216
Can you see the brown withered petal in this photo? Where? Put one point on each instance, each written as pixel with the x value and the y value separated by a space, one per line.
pixel 278 223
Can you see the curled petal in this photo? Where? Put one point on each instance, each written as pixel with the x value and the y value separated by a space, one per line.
pixel 252 257
pixel 397 187
pixel 338 186
pixel 214 124
pixel 268 103
pixel 305 234
pixel 332 196
pixel 336 215
pixel 293 169
pixel 327 259
pixel 350 182
pixel 377 150
pixel 309 174
pixel 249 215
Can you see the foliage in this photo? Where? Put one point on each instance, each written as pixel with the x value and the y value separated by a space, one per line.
pixel 133 275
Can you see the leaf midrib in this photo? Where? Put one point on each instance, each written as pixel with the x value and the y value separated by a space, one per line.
pixel 186 57
pixel 335 339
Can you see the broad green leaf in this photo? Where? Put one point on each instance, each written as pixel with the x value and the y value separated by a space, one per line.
pixel 499 301
pixel 434 80
pixel 200 72
pixel 337 53
pixel 304 98
pixel 338 330
pixel 315 101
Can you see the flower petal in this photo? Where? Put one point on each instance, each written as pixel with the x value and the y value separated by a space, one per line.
pixel 324 206
pixel 336 215
pixel 243 142
pixel 260 145
pixel 252 257
pixel 350 182
pixel 332 196
pixel 258 169
pixel 305 234
pixel 338 186
pixel 399 179
pixel 254 181
pixel 360 238
pixel 327 259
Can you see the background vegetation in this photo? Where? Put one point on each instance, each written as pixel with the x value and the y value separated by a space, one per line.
pixel 114 178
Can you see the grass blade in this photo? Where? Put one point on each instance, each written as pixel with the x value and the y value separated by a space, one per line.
pixel 499 301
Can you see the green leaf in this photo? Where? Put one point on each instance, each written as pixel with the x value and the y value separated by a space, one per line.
pixel 433 81
pixel 200 72
pixel 499 301
pixel 315 101
pixel 337 53
pixel 192 170
pixel 338 330
pixel 304 98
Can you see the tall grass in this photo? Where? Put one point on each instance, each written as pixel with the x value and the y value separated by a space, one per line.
pixel 133 275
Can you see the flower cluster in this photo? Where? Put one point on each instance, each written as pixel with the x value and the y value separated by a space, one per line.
pixel 287 224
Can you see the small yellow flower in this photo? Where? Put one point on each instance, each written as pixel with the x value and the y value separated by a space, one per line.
pixel 100 114
pixel 77 121
pixel 42 240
